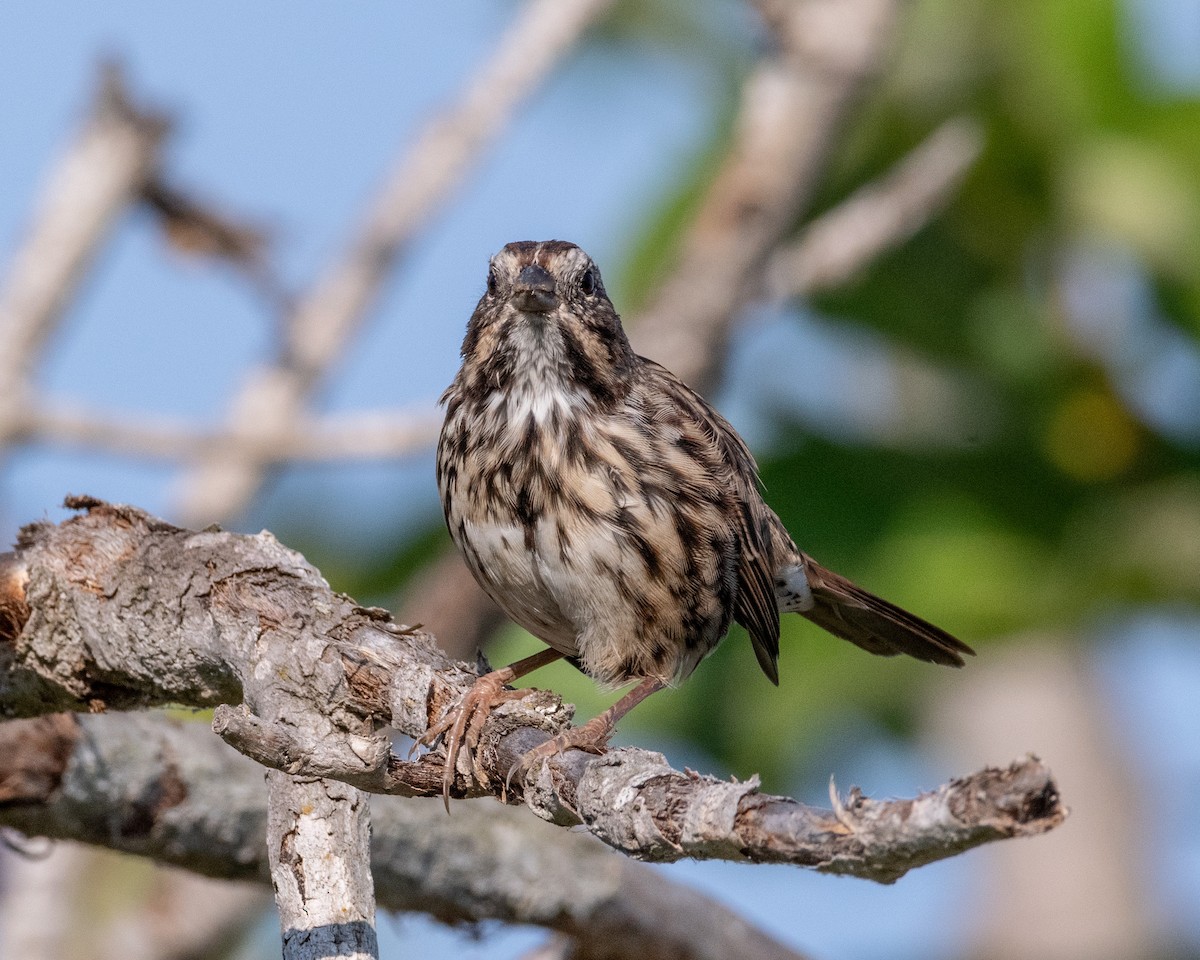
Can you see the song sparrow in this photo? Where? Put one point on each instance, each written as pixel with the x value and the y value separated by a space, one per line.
pixel 611 512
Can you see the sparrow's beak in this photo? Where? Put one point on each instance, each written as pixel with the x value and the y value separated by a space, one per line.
pixel 533 291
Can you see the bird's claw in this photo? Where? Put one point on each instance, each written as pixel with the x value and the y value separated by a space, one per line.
pixel 462 726
pixel 591 737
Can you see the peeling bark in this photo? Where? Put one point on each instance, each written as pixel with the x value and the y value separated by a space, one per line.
pixel 128 611
pixel 487 862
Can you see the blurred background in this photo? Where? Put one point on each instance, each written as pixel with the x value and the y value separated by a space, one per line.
pixel 964 343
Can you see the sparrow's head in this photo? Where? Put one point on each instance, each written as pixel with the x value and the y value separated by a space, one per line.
pixel 545 308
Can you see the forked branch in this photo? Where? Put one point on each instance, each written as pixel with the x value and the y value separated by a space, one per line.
pixel 126 611
pixel 146 785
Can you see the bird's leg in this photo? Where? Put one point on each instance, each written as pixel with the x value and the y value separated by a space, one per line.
pixel 591 737
pixel 463 723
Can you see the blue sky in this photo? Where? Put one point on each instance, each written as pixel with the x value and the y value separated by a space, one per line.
pixel 293 120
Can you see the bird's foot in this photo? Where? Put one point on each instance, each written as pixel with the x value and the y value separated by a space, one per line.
pixel 462 725
pixel 591 737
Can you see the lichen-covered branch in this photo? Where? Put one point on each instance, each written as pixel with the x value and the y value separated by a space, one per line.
pixel 171 791
pixel 207 636
pixel 125 611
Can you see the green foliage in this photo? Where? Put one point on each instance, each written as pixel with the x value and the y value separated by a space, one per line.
pixel 1066 503
pixel 654 253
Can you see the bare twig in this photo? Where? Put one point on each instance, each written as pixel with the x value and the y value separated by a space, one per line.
pixel 216 618
pixel 880 215
pixel 147 785
pixel 199 228
pixel 360 435
pixel 823 50
pixel 272 399
pixel 97 177
pixel 635 802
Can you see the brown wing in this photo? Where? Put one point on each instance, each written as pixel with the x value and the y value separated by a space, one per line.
pixel 756 607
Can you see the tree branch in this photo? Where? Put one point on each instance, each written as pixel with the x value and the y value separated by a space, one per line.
pixel 273 399
pixel 323 890
pixel 880 215
pixel 126 611
pixel 197 227
pixel 97 177
pixel 362 435
pixel 147 785
pixel 318 844
pixel 821 52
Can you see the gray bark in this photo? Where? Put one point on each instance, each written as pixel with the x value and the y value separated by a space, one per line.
pixel 126 611
pixel 199 629
pixel 144 784
pixel 318 842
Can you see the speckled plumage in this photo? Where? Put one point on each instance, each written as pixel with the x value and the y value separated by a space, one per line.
pixel 607 508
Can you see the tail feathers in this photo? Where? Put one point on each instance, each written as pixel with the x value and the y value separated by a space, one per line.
pixel 848 611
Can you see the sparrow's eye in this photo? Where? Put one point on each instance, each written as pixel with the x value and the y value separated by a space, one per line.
pixel 493 283
pixel 587 283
